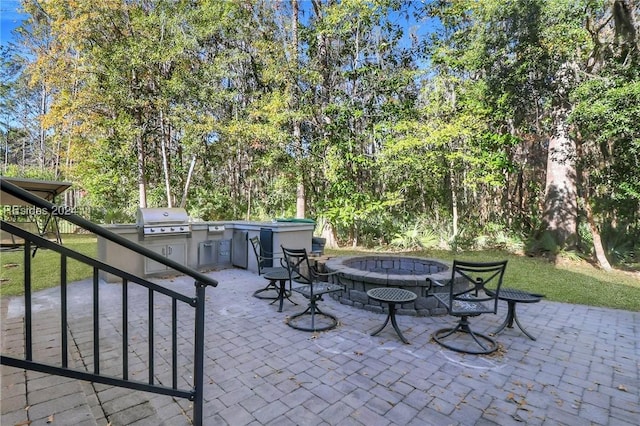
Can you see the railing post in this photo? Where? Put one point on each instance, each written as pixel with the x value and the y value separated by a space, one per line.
pixel 198 368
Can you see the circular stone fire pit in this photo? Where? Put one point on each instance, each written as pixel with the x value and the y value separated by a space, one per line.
pixel 362 273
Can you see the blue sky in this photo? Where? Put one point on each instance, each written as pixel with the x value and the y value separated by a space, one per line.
pixel 9 18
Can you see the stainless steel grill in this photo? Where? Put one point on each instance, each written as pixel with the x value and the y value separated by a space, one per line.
pixel 163 221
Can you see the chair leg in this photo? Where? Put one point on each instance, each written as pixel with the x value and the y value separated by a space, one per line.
pixel 464 328
pixel 315 317
pixel 270 287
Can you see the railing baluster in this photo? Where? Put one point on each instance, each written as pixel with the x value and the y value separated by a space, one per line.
pixel 28 338
pixel 125 329
pixel 198 356
pixel 96 323
pixel 151 345
pixel 63 310
pixel 174 341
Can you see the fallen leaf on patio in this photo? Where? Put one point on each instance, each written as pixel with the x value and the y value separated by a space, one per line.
pixel 358 353
pixel 23 423
pixel 517 418
pixel 622 388
pixel 50 419
pixel 510 397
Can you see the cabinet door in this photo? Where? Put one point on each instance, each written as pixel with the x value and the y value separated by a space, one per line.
pixel 207 253
pixel 177 252
pixel 224 252
pixel 150 265
pixel 174 251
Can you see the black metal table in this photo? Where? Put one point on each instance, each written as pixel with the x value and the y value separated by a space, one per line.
pixel 282 276
pixel 513 296
pixel 391 296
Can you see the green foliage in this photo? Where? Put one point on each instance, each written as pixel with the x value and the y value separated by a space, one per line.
pixel 607 114
pixel 416 236
pixel 543 245
pixel 29 173
pixel 498 237
pixel 621 245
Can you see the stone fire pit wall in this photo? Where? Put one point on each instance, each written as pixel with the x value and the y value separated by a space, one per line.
pixel 362 273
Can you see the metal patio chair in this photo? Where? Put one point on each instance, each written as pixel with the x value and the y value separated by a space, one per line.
pixel 307 281
pixel 473 290
pixel 273 274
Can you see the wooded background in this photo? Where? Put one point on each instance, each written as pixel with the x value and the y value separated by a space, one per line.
pixel 474 123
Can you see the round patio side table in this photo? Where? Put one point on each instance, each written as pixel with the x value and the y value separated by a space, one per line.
pixel 513 296
pixel 280 275
pixel 391 296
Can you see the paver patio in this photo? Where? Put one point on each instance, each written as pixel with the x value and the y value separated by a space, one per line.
pixel 583 369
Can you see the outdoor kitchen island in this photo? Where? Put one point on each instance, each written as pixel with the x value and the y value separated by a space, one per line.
pixel 199 245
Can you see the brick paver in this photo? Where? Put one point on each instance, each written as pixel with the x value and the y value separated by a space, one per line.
pixel 584 367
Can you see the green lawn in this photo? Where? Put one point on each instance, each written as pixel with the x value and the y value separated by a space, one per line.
pixel 45 266
pixel 571 282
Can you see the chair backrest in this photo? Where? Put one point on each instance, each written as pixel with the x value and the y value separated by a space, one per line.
pixel 297 263
pixel 470 282
pixel 257 250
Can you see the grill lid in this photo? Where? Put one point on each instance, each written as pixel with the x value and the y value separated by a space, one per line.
pixel 162 221
pixel 156 216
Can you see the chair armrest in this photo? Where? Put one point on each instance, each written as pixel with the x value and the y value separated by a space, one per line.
pixel 317 274
pixel 273 256
pixel 434 283
pixel 323 274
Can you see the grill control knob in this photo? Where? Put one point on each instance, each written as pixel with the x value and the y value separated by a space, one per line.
pixel 161 229
pixel 172 229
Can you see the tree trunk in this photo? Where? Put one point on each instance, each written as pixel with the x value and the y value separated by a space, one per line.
pixel 560 207
pixel 297 136
pixel 300 191
pixel 183 202
pixel 454 203
pixel 597 241
pixel 329 233
pixel 165 160
pixel 42 136
pixel 142 181
pixel 598 248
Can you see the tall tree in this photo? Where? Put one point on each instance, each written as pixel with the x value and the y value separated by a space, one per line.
pixel 526 54
pixel 607 121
